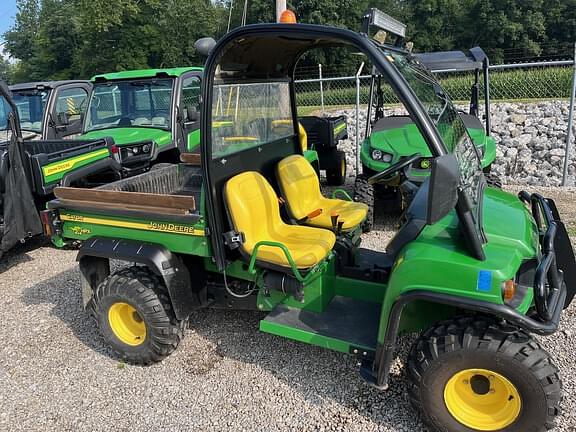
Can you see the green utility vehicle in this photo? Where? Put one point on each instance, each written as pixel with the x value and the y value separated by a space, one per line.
pixel 152 115
pixel 475 269
pixel 393 140
pixel 50 110
pixel 31 169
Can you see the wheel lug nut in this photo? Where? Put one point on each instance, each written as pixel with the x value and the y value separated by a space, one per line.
pixel 466 382
pixel 492 391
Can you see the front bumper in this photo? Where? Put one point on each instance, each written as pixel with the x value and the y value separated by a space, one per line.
pixel 555 277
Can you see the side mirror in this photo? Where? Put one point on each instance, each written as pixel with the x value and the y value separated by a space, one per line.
pixel 63 119
pixel 192 115
pixel 204 45
pixel 443 188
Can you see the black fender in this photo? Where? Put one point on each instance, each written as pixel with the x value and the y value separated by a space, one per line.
pixel 95 253
pixel 377 373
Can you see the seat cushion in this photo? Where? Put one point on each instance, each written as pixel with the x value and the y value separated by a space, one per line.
pixel 254 211
pixel 350 212
pixel 301 190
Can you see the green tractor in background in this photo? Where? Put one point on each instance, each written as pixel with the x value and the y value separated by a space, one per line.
pixel 472 268
pixel 393 144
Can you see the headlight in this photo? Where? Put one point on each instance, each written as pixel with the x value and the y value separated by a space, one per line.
pixel 135 150
pixel 379 155
pixel 146 148
pixel 425 164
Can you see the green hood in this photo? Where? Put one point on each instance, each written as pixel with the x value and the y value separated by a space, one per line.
pixel 401 141
pixel 123 136
pixel 406 140
pixel 439 257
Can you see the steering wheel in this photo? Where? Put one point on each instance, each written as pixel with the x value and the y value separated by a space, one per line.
pixel 393 169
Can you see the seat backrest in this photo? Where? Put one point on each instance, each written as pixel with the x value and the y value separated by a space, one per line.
pixel 141 121
pixel 253 207
pixel 299 184
pixel 159 121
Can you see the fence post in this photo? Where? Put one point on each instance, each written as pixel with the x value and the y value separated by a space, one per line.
pixel 358 118
pixel 570 121
pixel 321 87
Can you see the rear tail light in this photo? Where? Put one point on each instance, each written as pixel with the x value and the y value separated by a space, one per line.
pixel 47 218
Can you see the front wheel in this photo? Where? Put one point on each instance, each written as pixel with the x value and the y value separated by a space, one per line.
pixel 471 374
pixel 134 314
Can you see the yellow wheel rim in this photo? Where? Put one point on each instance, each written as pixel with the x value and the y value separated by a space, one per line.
pixel 126 323
pixel 482 399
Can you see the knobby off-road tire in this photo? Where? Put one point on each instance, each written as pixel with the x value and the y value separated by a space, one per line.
pixel 458 365
pixel 493 180
pixel 336 175
pixel 364 193
pixel 133 312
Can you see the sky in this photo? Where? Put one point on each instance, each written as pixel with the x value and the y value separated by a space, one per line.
pixel 7 14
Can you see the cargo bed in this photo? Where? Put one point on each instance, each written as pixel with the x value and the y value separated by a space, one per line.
pixel 171 192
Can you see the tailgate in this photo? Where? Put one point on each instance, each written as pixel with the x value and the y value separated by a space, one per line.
pixel 51 161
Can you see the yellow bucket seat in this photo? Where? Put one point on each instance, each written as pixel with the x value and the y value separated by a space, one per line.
pixel 254 211
pixel 301 189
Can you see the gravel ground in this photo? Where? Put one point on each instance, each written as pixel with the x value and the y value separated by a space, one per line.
pixel 56 374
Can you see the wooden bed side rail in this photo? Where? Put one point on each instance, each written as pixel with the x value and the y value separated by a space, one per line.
pixel 127 198
pixel 191 159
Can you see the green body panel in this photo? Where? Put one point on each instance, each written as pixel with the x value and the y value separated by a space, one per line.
pixel 54 172
pixel 311 156
pixel 437 260
pixel 131 135
pixel 193 140
pixel 359 289
pixel 308 337
pixel 407 140
pixel 82 226
pixel 145 73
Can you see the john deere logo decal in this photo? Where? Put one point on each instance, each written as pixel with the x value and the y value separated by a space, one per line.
pixel 170 227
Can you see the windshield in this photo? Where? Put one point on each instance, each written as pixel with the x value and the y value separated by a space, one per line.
pixel 141 103
pixel 31 105
pixel 246 115
pixel 447 120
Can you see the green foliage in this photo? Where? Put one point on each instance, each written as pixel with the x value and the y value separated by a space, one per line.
pixel 78 38
pixel 62 39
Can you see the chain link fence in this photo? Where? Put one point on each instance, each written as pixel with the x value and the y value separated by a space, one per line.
pixel 532 114
pixel 509 82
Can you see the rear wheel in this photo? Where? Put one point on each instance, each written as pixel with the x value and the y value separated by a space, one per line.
pixel 336 175
pixel 364 193
pixel 470 374
pixel 134 315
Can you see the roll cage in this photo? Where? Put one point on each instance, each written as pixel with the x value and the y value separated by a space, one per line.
pixel 458 61
pixel 270 52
